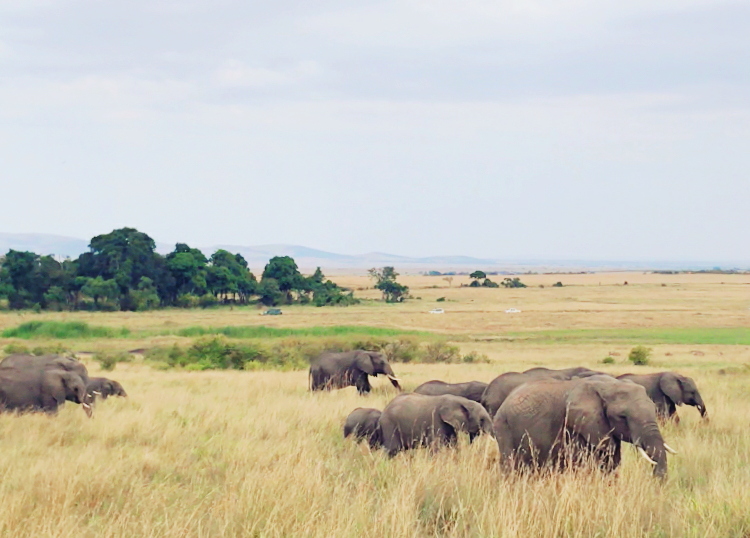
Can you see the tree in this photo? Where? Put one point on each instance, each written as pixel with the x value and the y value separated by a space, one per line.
pixel 385 278
pixel 283 269
pixel 478 275
pixel 326 292
pixel 449 280
pixel 125 256
pixel 99 288
pixel 188 267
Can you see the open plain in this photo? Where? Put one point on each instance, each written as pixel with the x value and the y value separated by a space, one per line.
pixel 229 453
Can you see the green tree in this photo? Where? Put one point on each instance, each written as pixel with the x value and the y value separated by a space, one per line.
pixel 478 275
pixel 269 292
pixel 125 256
pixel 284 270
pixel 99 288
pixel 188 267
pixel 229 277
pixel 385 281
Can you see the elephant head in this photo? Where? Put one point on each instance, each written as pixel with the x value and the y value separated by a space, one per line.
pixel 682 390
pixel 373 363
pixel 465 415
pixel 75 391
pixel 606 411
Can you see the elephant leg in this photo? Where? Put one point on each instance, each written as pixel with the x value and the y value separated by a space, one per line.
pixel 504 439
pixel 363 384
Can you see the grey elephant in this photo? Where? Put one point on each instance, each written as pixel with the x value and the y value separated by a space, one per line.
pixel 332 370
pixel 471 390
pixel 363 423
pixel 25 389
pixel 562 423
pixel 103 388
pixel 414 420
pixel 500 387
pixel 45 362
pixel 668 390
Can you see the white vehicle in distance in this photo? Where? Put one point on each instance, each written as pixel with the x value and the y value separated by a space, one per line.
pixel 512 311
pixel 437 311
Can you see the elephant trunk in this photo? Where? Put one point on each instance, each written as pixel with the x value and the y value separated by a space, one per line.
pixel 701 408
pixel 391 376
pixel 652 443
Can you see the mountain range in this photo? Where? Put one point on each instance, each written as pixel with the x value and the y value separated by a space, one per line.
pixel 309 258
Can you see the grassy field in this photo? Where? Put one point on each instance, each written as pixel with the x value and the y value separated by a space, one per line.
pixel 227 453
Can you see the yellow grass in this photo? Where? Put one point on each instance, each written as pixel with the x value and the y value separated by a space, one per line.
pixel 256 454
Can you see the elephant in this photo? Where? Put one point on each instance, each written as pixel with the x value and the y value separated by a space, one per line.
pixel 363 423
pixel 25 389
pixel 500 387
pixel 47 362
pixel 562 423
pixel 338 370
pixel 471 390
pixel 413 420
pixel 668 390
pixel 103 387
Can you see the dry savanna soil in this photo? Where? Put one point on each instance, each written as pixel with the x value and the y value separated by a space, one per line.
pixel 253 453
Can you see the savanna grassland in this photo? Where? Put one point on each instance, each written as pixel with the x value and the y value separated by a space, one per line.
pixel 230 453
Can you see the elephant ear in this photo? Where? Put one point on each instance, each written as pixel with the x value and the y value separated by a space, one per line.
pixel 456 415
pixel 364 363
pixel 587 413
pixel 671 386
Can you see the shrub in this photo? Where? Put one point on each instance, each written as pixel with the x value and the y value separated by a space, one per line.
pixel 207 301
pixel 12 349
pixel 475 357
pixel 608 360
pixel 440 299
pixel 640 355
pixel 557 284
pixel 401 350
pixel 108 361
pixel 188 300
pixel 441 352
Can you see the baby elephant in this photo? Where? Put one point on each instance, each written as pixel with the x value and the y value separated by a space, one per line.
pixel 413 420
pixel 362 423
pixel 103 387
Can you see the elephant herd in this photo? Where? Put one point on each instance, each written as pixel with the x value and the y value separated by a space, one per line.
pixel 539 418
pixel 30 383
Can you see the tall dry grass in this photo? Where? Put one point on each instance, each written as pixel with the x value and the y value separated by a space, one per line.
pixel 256 454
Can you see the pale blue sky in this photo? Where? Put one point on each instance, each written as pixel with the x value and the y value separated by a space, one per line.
pixel 502 129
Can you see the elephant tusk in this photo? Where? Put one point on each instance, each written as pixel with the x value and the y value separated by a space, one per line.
pixel 643 453
pixel 393 378
pixel 96 392
pixel 669 449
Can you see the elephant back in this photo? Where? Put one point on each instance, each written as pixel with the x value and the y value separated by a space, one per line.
pixel 45 362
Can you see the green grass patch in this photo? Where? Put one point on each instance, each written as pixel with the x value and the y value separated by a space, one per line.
pixel 687 336
pixel 62 330
pixel 261 331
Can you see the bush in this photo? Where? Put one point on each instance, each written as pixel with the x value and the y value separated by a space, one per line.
pixel 401 350
pixel 440 299
pixel 640 355
pixel 13 349
pixel 108 361
pixel 441 352
pixel 475 357
pixel 608 360
pixel 207 301
pixel 557 285
pixel 188 300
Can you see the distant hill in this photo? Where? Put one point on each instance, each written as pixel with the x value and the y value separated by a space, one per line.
pixel 56 245
pixel 309 258
pixel 256 256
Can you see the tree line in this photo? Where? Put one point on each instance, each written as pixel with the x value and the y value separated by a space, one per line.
pixel 123 271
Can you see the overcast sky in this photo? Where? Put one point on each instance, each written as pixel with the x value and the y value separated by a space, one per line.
pixel 503 129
